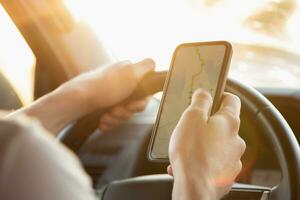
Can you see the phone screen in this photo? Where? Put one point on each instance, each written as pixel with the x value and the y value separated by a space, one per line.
pixel 194 65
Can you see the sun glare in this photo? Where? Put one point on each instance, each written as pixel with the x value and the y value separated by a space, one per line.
pixel 16 58
pixel 133 29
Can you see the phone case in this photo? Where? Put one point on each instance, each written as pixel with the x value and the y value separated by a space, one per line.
pixel 219 90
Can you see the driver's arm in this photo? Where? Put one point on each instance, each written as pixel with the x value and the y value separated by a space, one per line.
pixel 204 153
pixel 205 150
pixel 97 89
pixel 34 166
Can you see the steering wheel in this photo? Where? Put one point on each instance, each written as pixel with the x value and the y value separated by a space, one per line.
pixel 264 115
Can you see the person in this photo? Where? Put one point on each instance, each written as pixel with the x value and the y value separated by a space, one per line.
pixel 205 151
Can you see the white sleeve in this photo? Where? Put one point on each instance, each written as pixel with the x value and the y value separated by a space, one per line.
pixel 33 166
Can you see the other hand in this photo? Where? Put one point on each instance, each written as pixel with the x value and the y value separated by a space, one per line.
pixel 205 150
pixel 109 85
pixel 119 114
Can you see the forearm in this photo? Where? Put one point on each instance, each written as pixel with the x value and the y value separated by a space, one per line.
pixel 86 93
pixel 31 159
pixel 58 108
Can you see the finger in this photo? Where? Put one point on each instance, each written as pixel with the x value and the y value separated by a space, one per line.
pixel 231 104
pixel 143 67
pixel 202 101
pixel 239 167
pixel 109 120
pixel 241 146
pixel 138 106
pixel 104 127
pixel 169 170
pixel 121 113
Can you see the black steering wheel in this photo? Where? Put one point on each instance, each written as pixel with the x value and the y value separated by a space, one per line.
pixel 263 114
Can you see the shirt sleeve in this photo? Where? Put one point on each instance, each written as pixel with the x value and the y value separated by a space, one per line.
pixel 34 166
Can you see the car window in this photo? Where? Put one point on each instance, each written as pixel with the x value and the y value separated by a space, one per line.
pixel 16 58
pixel 264 33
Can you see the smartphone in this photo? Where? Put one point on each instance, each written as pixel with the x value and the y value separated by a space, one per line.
pixel 194 65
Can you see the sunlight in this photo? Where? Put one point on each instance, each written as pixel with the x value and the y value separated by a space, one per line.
pixel 75 7
pixel 16 58
pixel 133 29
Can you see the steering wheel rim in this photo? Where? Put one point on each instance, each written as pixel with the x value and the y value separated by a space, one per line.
pixel 277 131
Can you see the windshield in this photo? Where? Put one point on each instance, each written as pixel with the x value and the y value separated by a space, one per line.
pixel 16 58
pixel 264 33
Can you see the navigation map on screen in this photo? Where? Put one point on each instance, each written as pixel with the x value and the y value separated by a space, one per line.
pixel 193 67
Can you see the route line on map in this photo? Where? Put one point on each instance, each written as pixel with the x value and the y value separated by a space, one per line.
pixel 201 61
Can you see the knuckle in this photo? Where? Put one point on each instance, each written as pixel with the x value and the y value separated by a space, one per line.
pixel 234 98
pixel 243 145
pixel 125 63
pixel 131 72
pixel 140 109
pixel 240 147
pixel 128 71
pixel 237 99
pixel 150 62
pixel 235 124
pixel 193 112
pixel 116 111
pixel 141 106
pixel 239 166
pixel 232 120
pixel 105 118
pixel 202 95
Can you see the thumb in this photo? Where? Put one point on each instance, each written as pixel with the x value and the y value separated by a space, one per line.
pixel 170 170
pixel 143 67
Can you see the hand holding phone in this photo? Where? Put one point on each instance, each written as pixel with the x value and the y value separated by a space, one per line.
pixel 194 65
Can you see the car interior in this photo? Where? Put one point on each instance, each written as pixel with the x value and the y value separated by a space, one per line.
pixel 55 40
